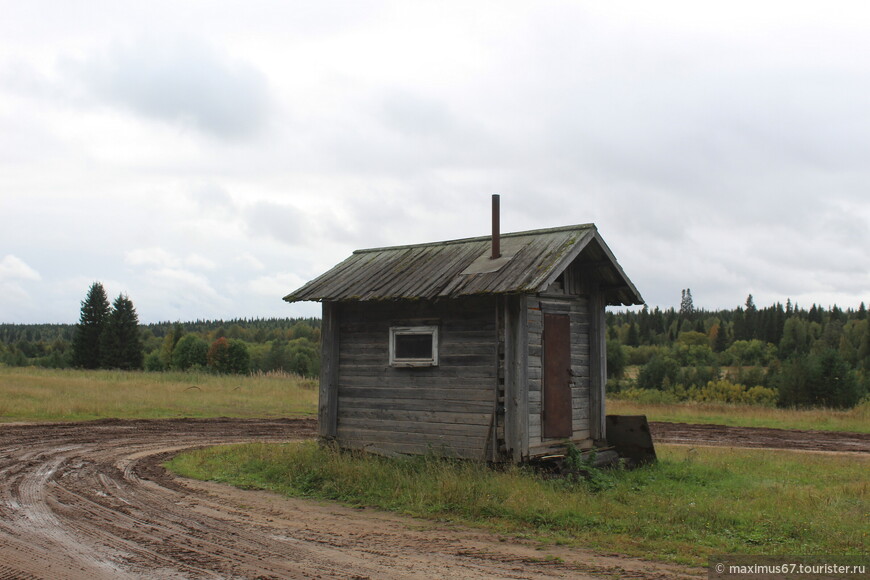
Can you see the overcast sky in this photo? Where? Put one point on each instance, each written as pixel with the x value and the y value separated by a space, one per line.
pixel 207 158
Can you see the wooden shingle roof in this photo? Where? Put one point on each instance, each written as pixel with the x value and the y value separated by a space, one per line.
pixel 530 262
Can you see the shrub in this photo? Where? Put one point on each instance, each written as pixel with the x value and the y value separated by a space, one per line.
pixel 239 360
pixel 229 356
pixel 749 352
pixel 648 396
pixel 697 376
pixel 693 355
pixel 190 352
pixel 693 338
pixel 640 355
pixel 725 391
pixel 615 359
pixel 821 379
pixel 154 362
pixel 718 391
pixel 219 355
pixel 659 372
pixel 759 395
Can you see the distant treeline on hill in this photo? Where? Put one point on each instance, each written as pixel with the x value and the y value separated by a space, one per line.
pixel 776 355
pixel 10 333
pixel 272 344
pixel 780 354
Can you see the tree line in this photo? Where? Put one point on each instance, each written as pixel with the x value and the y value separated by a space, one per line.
pixel 110 336
pixel 781 354
pixel 778 354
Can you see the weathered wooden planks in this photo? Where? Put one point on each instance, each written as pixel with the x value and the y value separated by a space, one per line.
pixel 578 308
pixel 327 410
pixel 448 406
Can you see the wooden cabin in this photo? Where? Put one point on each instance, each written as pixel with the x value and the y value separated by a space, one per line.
pixel 444 348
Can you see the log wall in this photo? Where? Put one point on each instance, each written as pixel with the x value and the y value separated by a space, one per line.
pixel 448 409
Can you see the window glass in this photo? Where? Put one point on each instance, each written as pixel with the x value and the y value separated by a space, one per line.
pixel 414 346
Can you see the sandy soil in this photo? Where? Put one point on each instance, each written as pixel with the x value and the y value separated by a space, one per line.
pixel 90 501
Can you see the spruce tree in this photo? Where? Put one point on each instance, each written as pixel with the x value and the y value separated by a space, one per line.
pixel 121 344
pixel 86 341
pixel 687 305
pixel 633 338
pixel 721 342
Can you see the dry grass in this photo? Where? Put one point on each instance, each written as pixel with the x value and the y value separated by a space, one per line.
pixel 33 394
pixel 855 420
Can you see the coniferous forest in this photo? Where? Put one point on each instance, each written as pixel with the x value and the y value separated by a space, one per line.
pixel 785 355
pixel 110 337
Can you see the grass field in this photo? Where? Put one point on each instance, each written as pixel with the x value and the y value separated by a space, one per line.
pixel 856 420
pixel 32 394
pixel 35 394
pixel 690 505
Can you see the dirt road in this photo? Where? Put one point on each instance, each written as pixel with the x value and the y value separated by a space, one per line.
pixel 760 437
pixel 91 501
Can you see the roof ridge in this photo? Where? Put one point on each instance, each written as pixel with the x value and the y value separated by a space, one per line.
pixel 585 226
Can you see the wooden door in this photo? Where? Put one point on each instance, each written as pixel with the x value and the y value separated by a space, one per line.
pixel 556 421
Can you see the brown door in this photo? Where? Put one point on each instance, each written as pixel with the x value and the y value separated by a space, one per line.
pixel 557 376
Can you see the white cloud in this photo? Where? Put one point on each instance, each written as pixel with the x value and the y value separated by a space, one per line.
pixel 198 262
pixel 249 261
pixel 13 268
pixel 277 285
pixel 152 257
pixel 161 258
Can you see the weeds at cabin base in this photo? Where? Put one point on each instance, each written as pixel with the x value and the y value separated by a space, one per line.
pixel 691 504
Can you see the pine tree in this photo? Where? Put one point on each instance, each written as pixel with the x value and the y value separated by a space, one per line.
pixel 121 344
pixel 86 342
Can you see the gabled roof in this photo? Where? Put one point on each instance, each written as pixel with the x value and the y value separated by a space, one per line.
pixel 530 262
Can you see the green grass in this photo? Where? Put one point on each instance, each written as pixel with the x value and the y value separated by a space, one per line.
pixel 856 420
pixel 690 505
pixel 33 394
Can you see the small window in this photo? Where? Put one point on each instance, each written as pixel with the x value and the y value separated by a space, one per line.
pixel 414 346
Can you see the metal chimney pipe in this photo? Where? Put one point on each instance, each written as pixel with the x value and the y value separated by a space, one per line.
pixel 496 236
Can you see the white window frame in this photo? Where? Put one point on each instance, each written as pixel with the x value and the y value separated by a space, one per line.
pixel 413 330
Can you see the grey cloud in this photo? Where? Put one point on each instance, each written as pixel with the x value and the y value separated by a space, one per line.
pixel 408 134
pixel 212 198
pixel 284 223
pixel 412 114
pixel 181 82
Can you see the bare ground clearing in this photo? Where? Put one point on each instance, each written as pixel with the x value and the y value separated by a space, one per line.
pixel 760 437
pixel 90 500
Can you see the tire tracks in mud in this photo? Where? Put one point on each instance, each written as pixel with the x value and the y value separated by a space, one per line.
pixel 91 501
pixel 760 438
